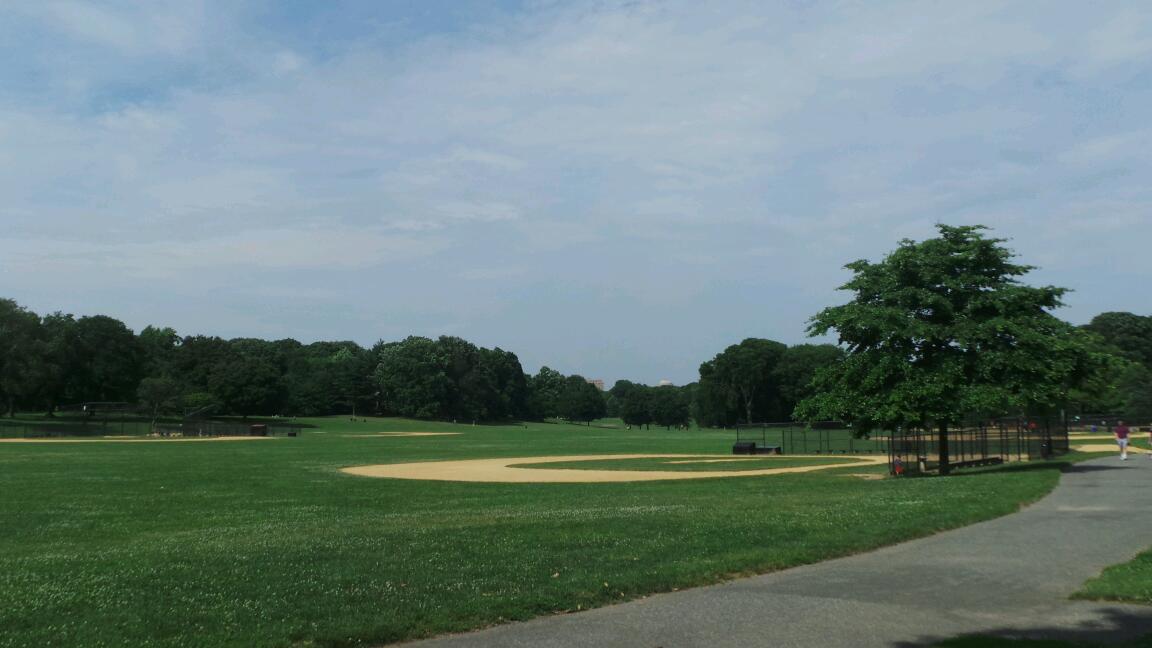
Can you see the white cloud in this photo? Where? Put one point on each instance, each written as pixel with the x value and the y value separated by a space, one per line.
pixel 696 153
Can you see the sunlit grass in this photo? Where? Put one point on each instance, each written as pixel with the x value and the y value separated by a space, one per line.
pixel 268 544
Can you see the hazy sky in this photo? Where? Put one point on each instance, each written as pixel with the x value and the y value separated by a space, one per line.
pixel 617 189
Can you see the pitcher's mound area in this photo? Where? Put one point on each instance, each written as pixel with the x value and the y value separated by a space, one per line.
pixel 505 470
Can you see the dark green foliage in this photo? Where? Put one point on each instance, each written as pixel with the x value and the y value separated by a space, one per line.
pixel 942 330
pixel 250 380
pixel 1123 384
pixel 669 406
pixel 632 401
pixel 544 394
pixel 1129 335
pixel 741 385
pixel 21 349
pixel 581 401
pixel 797 368
pixel 159 395
pixel 412 378
pixel 450 379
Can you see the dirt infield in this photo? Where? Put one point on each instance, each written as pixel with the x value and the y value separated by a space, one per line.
pixel 505 471
pixel 1108 447
pixel 119 439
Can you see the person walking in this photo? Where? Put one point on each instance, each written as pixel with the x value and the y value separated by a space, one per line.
pixel 1121 431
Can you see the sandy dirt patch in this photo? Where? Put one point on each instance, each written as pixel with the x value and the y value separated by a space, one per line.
pixel 402 434
pixel 1108 447
pixel 140 440
pixel 504 470
pixel 696 461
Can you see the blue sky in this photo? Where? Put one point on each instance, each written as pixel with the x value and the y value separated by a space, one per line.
pixel 617 189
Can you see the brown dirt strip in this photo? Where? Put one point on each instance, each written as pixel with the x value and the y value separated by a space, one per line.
pixel 505 471
pixel 1108 447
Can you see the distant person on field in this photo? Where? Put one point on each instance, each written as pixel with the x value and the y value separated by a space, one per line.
pixel 1121 431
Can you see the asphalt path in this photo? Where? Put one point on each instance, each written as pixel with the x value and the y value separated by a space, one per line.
pixel 1011 576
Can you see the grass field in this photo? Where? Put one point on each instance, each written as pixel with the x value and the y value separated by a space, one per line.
pixel 268 544
pixel 1130 582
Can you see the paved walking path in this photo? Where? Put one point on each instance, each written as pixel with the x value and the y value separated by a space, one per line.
pixel 1008 576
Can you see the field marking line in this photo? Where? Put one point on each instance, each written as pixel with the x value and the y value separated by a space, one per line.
pixel 503 470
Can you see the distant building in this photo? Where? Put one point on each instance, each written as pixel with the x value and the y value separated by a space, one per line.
pixel 665 383
pixel 597 382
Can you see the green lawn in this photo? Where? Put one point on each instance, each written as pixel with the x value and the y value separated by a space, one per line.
pixel 1130 582
pixel 266 543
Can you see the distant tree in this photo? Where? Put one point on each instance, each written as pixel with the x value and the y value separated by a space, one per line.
pixel 159 395
pixel 63 361
pixel 1129 335
pixel 158 348
pixel 544 394
pixel 581 401
pixel 510 387
pixel 22 350
pixel 196 357
pixel 1135 386
pixel 413 379
pixel 796 369
pixel 635 404
pixel 669 407
pixel 744 375
pixel 110 370
pixel 249 381
pixel 940 330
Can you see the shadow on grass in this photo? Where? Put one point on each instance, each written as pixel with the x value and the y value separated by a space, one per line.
pixel 1128 627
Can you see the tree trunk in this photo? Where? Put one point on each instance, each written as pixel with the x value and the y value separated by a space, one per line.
pixel 945 464
pixel 11 406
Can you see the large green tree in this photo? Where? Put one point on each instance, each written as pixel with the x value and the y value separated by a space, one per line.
pixel 22 352
pixel 743 376
pixel 1129 335
pixel 941 330
pixel 581 401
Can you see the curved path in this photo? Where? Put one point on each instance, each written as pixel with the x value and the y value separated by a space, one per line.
pixel 1011 576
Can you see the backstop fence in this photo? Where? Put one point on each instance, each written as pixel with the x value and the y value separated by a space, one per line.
pixel 913 450
pixel 126 427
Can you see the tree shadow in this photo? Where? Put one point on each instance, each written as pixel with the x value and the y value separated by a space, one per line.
pixel 1127 626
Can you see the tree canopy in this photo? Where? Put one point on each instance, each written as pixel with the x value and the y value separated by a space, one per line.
pixel 942 330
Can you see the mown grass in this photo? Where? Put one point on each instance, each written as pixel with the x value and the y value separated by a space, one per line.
pixel 1130 582
pixel 268 544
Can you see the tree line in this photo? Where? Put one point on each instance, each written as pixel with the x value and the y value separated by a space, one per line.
pixel 58 359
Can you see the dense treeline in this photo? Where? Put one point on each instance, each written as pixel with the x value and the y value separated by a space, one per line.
pixel 58 360
pixel 1124 383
